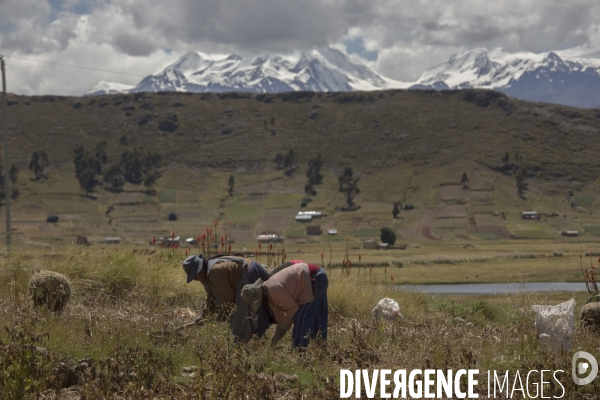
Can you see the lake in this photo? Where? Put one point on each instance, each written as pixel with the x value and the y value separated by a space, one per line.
pixel 497 288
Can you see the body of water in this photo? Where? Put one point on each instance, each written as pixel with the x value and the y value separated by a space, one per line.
pixel 497 288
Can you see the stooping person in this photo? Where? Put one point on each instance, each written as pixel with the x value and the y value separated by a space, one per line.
pixel 223 278
pixel 297 293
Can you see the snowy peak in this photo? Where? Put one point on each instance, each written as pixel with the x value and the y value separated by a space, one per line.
pixel 321 70
pixel 109 88
pixel 555 77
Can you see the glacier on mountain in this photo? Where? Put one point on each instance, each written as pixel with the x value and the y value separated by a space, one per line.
pixel 553 77
pixel 570 77
pixel 321 70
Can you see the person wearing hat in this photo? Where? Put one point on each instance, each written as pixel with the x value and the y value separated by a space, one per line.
pixel 297 294
pixel 223 278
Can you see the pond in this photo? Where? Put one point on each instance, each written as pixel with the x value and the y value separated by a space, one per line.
pixel 496 288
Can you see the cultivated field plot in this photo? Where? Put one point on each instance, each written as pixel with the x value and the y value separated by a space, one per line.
pixel 254 198
pixel 450 223
pixel 488 226
pixel 531 230
pixel 187 213
pixel 409 232
pixel 185 196
pixel 137 223
pixel 451 228
pixel 447 193
pixel 453 211
pixel 451 233
pixel 481 197
pixel 128 198
pixel 490 231
pixel 488 219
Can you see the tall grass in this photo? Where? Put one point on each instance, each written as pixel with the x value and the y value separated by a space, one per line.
pixel 119 323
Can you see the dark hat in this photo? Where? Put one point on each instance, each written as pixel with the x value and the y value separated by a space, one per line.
pixel 192 266
pixel 253 294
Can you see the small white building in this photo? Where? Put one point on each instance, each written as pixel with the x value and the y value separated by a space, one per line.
pixel 570 233
pixel 303 218
pixel 332 231
pixel 269 238
pixel 530 215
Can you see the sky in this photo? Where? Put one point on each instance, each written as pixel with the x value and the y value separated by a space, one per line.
pixel 399 39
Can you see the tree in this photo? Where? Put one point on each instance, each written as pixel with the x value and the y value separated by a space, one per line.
pixel 12 175
pixel 313 173
pixel 314 168
pixel 87 168
pixel 521 181
pixel 100 153
pixel 518 159
pixel 139 167
pixel 288 160
pixel 279 161
pixel 38 163
pixel 396 210
pixel 506 158
pixel 348 186
pixel 231 183
pixel 388 236
pixel 465 180
pixel 113 178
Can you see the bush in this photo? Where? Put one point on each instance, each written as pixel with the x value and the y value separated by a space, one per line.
pixel 172 216
pixel 52 218
pixel 388 236
pixel 167 126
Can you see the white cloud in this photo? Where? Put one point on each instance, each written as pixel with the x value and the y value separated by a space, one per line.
pixel 410 36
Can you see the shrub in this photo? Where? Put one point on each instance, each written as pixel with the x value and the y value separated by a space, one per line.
pixel 388 236
pixel 172 216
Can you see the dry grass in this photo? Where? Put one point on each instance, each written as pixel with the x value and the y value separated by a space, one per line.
pixel 104 340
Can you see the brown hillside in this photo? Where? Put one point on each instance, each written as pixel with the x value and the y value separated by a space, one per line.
pixel 368 131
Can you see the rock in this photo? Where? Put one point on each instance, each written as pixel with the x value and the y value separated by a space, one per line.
pixel 143 120
pixel 170 117
pixel 590 316
pixel 50 289
pixel 167 126
pixel 65 375
pixel 469 325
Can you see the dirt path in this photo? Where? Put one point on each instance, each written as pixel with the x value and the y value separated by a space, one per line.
pixel 427 223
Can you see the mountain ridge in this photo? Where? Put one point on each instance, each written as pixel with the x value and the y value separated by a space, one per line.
pixel 569 77
pixel 319 70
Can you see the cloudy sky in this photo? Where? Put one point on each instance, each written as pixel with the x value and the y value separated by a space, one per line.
pixel 398 38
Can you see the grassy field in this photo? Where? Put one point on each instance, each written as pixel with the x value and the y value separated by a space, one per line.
pixel 406 146
pixel 124 305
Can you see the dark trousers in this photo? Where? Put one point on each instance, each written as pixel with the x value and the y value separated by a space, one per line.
pixel 311 318
pixel 264 314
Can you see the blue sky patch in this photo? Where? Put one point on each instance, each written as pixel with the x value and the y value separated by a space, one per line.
pixel 357 46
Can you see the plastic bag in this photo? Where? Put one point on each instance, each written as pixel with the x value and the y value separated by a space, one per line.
pixel 387 309
pixel 555 324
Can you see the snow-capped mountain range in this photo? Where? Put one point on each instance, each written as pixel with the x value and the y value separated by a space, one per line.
pixel 568 77
pixel 322 70
pixel 554 77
